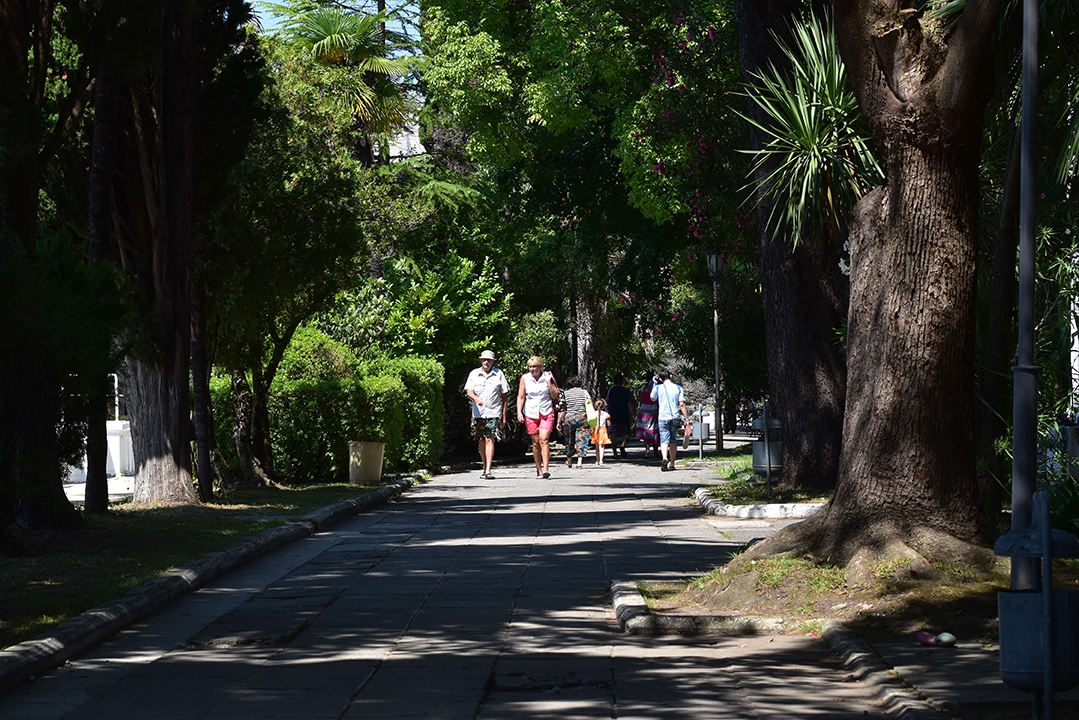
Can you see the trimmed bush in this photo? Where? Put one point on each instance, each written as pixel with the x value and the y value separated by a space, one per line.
pixel 312 355
pixel 312 423
pixel 423 410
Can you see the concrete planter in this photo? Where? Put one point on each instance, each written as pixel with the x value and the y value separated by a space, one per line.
pixel 365 462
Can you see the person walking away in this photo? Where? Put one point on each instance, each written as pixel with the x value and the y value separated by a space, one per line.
pixel 536 395
pixel 487 388
pixel 620 407
pixel 647 421
pixel 600 435
pixel 575 430
pixel 672 403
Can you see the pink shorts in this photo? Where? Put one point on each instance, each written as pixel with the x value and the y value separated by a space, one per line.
pixel 543 422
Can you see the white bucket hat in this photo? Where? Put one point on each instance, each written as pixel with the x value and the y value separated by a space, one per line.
pixel 487 355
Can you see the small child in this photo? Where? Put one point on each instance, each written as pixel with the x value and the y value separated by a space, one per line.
pixel 600 436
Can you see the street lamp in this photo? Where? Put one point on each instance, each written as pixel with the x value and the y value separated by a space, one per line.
pixel 715 263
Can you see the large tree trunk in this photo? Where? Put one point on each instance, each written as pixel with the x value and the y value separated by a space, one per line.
pixel 805 295
pixel 107 119
pixel 158 374
pixel 31 483
pixel 906 474
pixel 160 432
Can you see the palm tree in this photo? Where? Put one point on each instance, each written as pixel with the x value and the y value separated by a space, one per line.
pixel 356 45
pixel 357 42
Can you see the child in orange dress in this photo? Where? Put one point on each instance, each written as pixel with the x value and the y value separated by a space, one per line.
pixel 600 434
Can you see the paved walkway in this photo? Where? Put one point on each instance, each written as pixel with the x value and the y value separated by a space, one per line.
pixel 465 598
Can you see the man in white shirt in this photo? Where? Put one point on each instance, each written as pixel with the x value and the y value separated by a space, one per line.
pixel 672 403
pixel 488 389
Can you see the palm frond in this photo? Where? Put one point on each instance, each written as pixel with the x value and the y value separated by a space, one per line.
pixel 814 164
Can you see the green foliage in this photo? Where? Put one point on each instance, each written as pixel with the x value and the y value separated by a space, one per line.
pixel 284 237
pixel 224 415
pixel 448 311
pixel 311 355
pixel 69 312
pixel 353 44
pixel 535 334
pixel 678 141
pixel 818 160
pixel 424 415
pixel 312 423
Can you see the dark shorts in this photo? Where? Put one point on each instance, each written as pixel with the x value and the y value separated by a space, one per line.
pixel 484 428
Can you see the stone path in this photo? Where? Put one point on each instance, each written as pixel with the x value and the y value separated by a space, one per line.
pixel 464 598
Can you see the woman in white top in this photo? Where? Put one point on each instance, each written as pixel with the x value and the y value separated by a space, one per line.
pixel 536 394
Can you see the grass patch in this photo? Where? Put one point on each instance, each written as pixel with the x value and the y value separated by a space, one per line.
pixel 896 604
pixel 56 576
pixel 742 487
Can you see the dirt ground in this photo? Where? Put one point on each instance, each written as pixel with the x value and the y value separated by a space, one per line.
pixel 894 604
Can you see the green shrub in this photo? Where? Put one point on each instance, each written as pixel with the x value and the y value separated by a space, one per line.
pixel 224 419
pixel 312 423
pixel 311 355
pixel 423 409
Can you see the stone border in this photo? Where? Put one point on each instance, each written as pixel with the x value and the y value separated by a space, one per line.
pixel 55 646
pixel 775 510
pixel 633 614
pixel 858 656
pixel 867 665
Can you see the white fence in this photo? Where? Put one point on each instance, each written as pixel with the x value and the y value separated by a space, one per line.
pixel 120 461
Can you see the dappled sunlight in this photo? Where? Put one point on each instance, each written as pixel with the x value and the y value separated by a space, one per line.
pixel 486 602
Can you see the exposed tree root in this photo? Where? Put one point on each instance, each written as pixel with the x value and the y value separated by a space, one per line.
pixel 862 549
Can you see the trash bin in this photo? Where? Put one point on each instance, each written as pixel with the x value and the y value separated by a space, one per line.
pixel 768 447
pixel 1022 653
pixel 365 462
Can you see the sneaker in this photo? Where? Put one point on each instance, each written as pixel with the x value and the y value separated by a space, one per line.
pixel 666 466
pixel 545 475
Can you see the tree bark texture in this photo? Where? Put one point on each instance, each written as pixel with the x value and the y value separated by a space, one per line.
pixel 158 216
pixel 908 436
pixel 102 238
pixel 805 295
pixel 254 475
pixel 31 482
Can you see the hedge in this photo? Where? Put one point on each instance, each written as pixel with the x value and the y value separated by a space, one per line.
pixel 224 419
pixel 423 379
pixel 312 423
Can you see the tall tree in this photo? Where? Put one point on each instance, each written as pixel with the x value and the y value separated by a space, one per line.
pixel 283 239
pixel 153 207
pixel 805 294
pixel 38 337
pixel 906 474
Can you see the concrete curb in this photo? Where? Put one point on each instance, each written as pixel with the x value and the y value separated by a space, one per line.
pixel 633 614
pixel 775 510
pixel 54 647
pixel 869 667
pixel 865 664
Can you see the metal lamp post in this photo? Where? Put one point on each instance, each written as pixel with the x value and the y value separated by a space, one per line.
pixel 1025 403
pixel 715 263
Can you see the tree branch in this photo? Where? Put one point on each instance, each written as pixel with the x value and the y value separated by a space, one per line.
pixel 968 52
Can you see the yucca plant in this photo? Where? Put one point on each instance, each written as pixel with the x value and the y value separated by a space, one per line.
pixel 816 160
